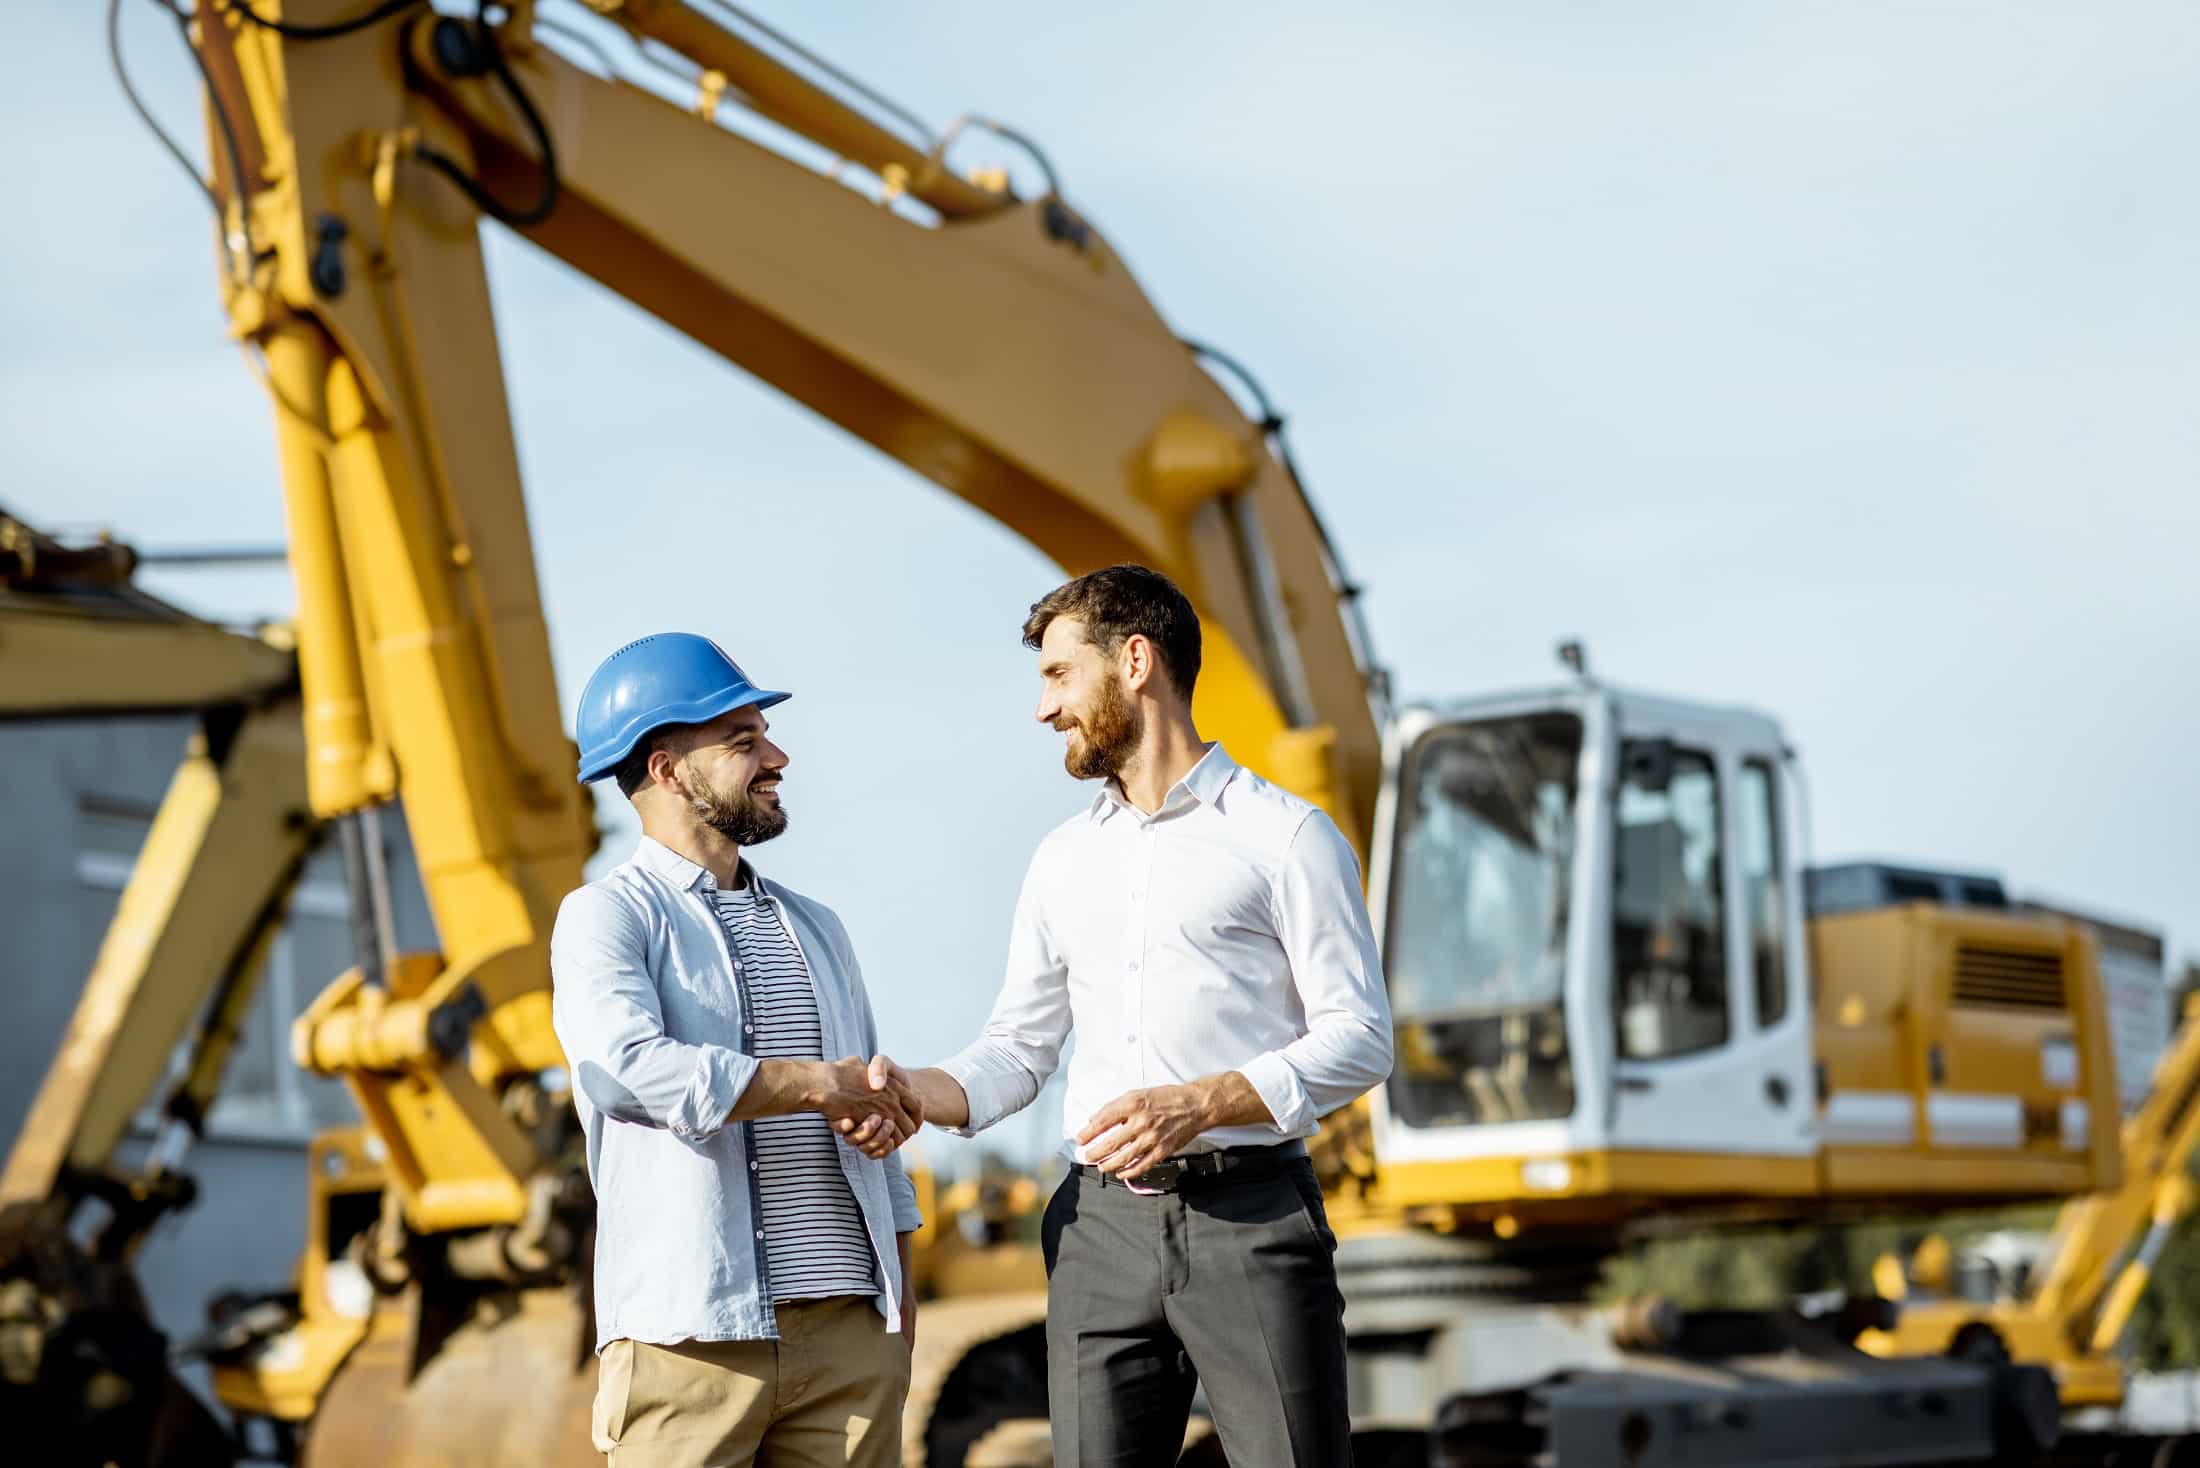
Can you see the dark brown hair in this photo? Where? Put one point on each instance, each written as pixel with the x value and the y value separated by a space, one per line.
pixel 1122 602
pixel 632 773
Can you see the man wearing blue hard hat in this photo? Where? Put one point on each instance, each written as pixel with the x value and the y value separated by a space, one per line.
pixel 753 1301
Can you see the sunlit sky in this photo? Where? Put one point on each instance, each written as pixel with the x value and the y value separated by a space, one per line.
pixel 1839 360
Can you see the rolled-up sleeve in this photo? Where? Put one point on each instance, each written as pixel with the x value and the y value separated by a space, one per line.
pixel 605 1010
pixel 1002 1071
pixel 1330 944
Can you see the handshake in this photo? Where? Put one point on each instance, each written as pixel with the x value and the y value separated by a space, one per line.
pixel 874 1105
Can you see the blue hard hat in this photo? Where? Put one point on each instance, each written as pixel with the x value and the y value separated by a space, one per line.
pixel 668 678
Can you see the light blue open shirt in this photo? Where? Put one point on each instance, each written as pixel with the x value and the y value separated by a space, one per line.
pixel 647 1003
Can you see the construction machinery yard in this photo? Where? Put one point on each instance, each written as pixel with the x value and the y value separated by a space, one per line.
pixel 1630 1000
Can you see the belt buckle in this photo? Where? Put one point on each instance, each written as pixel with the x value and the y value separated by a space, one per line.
pixel 1162 1177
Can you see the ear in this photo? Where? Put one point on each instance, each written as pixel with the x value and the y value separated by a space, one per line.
pixel 664 769
pixel 1136 662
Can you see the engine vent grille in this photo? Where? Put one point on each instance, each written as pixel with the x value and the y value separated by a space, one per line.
pixel 2008 978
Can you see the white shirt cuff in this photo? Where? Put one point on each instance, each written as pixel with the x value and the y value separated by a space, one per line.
pixel 1281 1090
pixel 992 1094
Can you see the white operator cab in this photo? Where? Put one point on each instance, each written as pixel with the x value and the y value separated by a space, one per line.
pixel 1591 920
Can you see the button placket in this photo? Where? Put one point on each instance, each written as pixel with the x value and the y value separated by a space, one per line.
pixel 1141 884
pixel 747 1130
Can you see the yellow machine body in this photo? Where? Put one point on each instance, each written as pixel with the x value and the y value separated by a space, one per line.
pixel 1612 1007
pixel 1966 1056
pixel 1941 1086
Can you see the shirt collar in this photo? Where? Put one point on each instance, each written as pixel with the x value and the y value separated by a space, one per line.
pixel 1203 782
pixel 654 856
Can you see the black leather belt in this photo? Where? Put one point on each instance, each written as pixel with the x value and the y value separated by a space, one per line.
pixel 1168 1176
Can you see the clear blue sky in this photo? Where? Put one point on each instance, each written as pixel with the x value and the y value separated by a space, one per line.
pixel 1839 360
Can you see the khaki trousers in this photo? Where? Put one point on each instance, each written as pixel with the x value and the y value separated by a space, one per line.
pixel 826 1394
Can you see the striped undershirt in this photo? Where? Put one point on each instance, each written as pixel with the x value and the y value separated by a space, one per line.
pixel 814 1240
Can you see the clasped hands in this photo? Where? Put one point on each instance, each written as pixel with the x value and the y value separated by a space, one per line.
pixel 875 1108
pixel 872 1105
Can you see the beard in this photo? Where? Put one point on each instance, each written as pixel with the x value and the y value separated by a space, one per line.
pixel 740 817
pixel 1111 729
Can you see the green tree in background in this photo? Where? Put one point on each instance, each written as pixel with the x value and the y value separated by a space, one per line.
pixel 1762 1268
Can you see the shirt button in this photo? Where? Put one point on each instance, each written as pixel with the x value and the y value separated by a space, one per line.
pixel 752 1164
pixel 748 1029
pixel 1134 965
pixel 760 1233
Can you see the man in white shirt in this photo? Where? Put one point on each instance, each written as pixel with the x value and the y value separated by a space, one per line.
pixel 1204 933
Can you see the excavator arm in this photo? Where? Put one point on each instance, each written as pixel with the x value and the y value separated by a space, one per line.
pixel 81 640
pixel 998 346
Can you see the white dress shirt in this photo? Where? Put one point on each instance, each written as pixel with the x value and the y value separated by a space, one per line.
pixel 1224 932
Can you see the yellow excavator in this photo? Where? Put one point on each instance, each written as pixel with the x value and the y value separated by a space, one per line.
pixel 1612 1008
pixel 2071 1305
pixel 78 639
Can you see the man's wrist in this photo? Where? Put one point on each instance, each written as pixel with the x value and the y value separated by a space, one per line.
pixel 1210 1091
pixel 1230 1099
pixel 778 1088
pixel 812 1083
pixel 946 1102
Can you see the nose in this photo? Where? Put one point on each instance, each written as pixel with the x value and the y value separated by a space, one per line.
pixel 775 758
pixel 1050 705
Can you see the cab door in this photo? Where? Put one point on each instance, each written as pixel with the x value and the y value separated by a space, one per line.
pixel 1711 1043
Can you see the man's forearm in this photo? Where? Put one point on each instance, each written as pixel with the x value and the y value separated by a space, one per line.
pixel 1230 1100
pixel 944 1100
pixel 781 1088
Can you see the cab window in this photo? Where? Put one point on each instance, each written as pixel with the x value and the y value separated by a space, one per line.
pixel 1764 889
pixel 1669 922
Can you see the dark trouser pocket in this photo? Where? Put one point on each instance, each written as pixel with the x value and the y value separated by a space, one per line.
pixel 1310 1198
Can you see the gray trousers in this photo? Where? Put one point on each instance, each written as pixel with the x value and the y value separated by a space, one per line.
pixel 1229 1283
